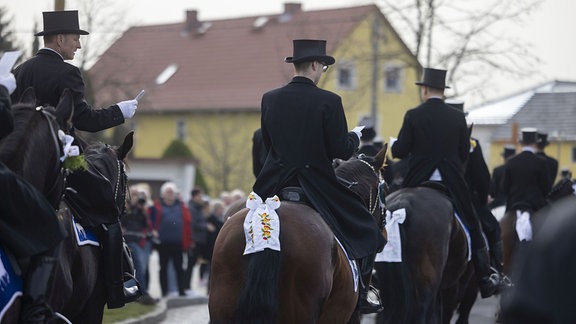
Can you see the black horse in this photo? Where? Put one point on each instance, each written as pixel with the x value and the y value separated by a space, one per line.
pixel 78 287
pixel 419 287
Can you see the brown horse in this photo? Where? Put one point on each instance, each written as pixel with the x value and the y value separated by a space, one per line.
pixel 426 281
pixel 309 281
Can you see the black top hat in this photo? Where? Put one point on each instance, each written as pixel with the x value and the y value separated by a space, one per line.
pixel 307 50
pixel 433 78
pixel 543 139
pixel 529 136
pixel 61 22
pixel 508 151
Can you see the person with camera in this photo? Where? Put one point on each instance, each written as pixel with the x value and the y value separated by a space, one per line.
pixel 139 236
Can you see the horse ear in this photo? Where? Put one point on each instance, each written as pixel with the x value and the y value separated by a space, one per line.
pixel 65 110
pixel 126 146
pixel 380 158
pixel 28 96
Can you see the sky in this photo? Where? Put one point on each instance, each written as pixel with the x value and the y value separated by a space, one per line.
pixel 548 30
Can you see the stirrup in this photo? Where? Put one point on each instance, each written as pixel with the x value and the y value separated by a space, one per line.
pixel 368 306
pixel 132 289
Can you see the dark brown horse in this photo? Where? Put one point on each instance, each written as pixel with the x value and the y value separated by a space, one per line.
pixel 78 293
pixel 434 258
pixel 309 281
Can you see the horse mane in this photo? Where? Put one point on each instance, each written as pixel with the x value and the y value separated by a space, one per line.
pixel 27 124
pixel 11 143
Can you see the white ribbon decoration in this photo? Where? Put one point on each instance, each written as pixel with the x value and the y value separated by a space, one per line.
pixel 392 251
pixel 69 149
pixel 261 225
pixel 523 226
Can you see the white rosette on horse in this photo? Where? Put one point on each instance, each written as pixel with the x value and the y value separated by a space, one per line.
pixel 392 251
pixel 261 225
pixel 523 226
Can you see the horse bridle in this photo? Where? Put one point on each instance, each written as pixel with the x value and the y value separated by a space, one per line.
pixel 378 202
pixel 54 193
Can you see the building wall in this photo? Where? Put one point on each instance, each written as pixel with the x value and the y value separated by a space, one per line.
pixel 223 141
pixel 391 105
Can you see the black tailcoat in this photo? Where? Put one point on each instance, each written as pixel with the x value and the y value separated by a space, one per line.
pixel 49 75
pixel 552 166
pixel 526 181
pixel 434 136
pixel 304 128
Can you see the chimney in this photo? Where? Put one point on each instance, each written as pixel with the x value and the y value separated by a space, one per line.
pixel 290 9
pixel 191 20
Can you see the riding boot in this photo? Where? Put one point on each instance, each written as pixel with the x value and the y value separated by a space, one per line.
pixel 497 253
pixel 365 304
pixel 488 280
pixel 37 284
pixel 118 292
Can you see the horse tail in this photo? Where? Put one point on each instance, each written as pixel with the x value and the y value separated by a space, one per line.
pixel 396 290
pixel 258 302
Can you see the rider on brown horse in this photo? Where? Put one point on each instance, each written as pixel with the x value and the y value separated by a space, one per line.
pixel 303 130
pixel 435 138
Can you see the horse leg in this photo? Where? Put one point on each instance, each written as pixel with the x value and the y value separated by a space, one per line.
pixel 468 300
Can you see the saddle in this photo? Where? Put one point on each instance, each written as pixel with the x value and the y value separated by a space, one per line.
pixel 436 185
pixel 294 194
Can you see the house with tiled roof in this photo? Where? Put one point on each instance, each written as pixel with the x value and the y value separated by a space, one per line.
pixel 204 80
pixel 549 107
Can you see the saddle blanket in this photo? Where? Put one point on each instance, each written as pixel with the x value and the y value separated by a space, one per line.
pixel 10 284
pixel 353 266
pixel 85 236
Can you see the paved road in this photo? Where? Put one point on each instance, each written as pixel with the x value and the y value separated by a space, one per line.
pixel 482 313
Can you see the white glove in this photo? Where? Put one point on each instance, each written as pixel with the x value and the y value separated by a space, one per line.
pixel 8 81
pixel 358 131
pixel 128 107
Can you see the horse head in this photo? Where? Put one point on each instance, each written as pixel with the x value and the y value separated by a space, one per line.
pixel 364 176
pixel 33 149
pixel 99 190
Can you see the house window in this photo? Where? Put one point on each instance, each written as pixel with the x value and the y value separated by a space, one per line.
pixel 346 76
pixel 393 78
pixel 573 154
pixel 181 129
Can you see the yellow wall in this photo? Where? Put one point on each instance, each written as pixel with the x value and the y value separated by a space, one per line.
pixel 217 137
pixel 358 102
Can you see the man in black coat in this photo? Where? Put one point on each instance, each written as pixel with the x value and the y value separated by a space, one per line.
pixel 29 227
pixel 304 128
pixel 552 162
pixel 527 179
pixel 49 74
pixel 497 196
pixel 435 138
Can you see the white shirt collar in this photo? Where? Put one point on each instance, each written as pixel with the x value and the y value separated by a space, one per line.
pixel 528 149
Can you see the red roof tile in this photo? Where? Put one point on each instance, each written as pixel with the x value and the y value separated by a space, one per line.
pixel 228 67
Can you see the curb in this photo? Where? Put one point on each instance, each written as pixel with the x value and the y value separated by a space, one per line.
pixel 165 304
